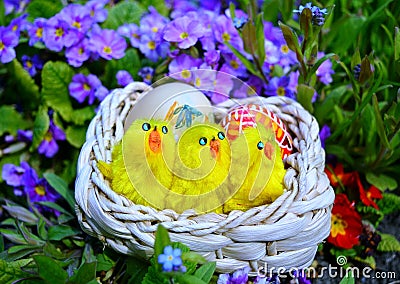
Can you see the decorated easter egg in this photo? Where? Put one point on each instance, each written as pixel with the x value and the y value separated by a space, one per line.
pixel 177 102
pixel 250 115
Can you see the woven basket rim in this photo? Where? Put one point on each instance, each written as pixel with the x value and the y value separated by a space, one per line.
pixel 285 233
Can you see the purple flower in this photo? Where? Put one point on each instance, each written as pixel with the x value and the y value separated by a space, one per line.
pixel 124 78
pixel 132 32
pixel 206 19
pixel 18 24
pixel 325 70
pixel 78 53
pixel 57 34
pixel 324 134
pixel 300 276
pixel 170 259
pixel 272 55
pixel 183 30
pixel 204 79
pixel 49 146
pixel 96 10
pixel 274 279
pixel 225 32
pixel 212 56
pixel 24 135
pixel 15 6
pixel 8 40
pixel 153 24
pixel 223 85
pixel 89 86
pixel 78 18
pixel 12 174
pixel 32 64
pixel 147 74
pixel 182 7
pixel 294 81
pixel 38 189
pixel 252 87
pixel 233 65
pixel 238 277
pixel 180 68
pixel 35 30
pixel 152 48
pixel 108 44
pixel 279 87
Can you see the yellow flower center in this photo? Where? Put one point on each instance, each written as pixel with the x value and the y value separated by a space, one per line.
pixel 77 25
pixel 107 49
pixel 197 82
pixel 48 136
pixel 184 35
pixel 14 28
pixel 234 64
pixel 40 190
pixel 185 74
pixel 28 63
pixel 154 29
pixel 148 77
pixel 151 45
pixel 226 36
pixel 281 91
pixel 80 51
pixel 1 45
pixel 135 35
pixel 59 32
pixel 284 48
pixel 86 87
pixel 338 225
pixel 39 32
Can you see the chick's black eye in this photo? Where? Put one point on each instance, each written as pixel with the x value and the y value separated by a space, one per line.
pixel 221 135
pixel 164 129
pixel 260 145
pixel 203 141
pixel 146 126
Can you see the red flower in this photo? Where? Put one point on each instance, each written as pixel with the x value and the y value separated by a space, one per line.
pixel 368 196
pixel 346 225
pixel 339 176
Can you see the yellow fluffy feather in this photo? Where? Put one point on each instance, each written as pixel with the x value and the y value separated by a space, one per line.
pixel 201 168
pixel 142 162
pixel 264 175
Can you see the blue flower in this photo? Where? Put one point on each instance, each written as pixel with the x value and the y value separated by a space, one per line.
pixel 124 78
pixel 171 259
pixel 324 134
pixel 32 64
pixel 147 74
pixel 279 86
pixel 317 13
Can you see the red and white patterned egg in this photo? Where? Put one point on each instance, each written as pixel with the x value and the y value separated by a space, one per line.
pixel 250 115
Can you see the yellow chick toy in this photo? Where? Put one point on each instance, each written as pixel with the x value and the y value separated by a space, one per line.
pixel 265 172
pixel 142 162
pixel 201 168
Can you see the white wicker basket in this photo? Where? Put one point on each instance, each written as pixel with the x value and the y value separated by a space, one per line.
pixel 285 233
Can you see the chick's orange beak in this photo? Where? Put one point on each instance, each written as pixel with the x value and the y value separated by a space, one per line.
pixel 214 147
pixel 268 150
pixel 155 141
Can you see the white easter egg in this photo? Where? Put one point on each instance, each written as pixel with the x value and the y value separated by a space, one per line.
pixel 177 102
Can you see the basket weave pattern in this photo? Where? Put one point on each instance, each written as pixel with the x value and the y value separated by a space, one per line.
pixel 282 234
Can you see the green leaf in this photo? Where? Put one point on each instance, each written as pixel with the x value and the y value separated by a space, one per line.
pixel 379 123
pixel 11 120
pixel 348 278
pixel 40 126
pixel 390 203
pixel 306 24
pixel 41 229
pixel 206 271
pixel 388 243
pixel 123 13
pixel 160 6
pixel 189 279
pixel 105 263
pixel 322 60
pixel 80 116
pixel 2 14
pixel 137 269
pixel 249 65
pixel 21 213
pixel 162 240
pixel 381 181
pixel 61 187
pixel 59 232
pixel 396 43
pixel 365 72
pixel 304 96
pixel 260 36
pixel 13 236
pixel 21 83
pixel 76 135
pixel 271 10
pixel 291 39
pixel 249 37
pixel 194 257
pixel 11 271
pixel 43 8
pixel 55 206
pixel 56 77
pixel 355 59
pixel 49 270
pixel 85 274
pixel 369 260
